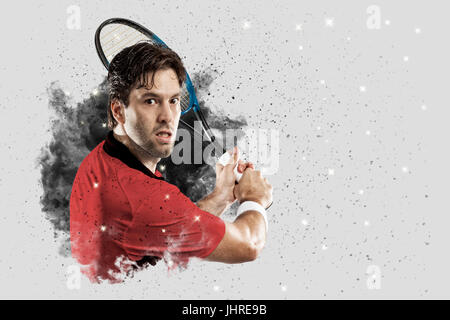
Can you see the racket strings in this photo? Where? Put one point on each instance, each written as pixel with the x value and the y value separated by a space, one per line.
pixel 120 40
pixel 117 34
pixel 114 38
pixel 184 101
pixel 137 37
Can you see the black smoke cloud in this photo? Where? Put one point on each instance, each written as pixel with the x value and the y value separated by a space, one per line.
pixel 77 130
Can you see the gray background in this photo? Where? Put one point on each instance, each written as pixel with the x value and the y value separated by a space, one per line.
pixel 324 232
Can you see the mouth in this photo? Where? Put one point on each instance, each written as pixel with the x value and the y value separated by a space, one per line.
pixel 164 136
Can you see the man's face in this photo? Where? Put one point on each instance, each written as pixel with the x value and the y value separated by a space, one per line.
pixel 152 115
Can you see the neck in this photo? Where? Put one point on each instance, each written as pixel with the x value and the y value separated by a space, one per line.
pixel 142 155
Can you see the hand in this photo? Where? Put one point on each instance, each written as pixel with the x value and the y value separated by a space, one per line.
pixel 223 195
pixel 244 165
pixel 254 187
pixel 225 178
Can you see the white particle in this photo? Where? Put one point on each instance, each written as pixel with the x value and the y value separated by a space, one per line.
pixel 303 158
pixel 103 228
pixel 246 25
pixel 366 223
pixel 167 196
pixel 318 128
pixel 326 140
pixel 424 107
pixel 324 247
pixel 331 172
pixel 300 48
pixel 95 184
pixel 67 93
pixel 298 27
pixel 368 132
pixel 163 230
pixel 322 82
pixel 283 288
pixel 304 222
pixel 197 218
pixel 104 125
pixel 162 168
pixel 361 191
pixel 406 58
pixel 387 22
pixel 405 169
pixel 348 38
pixel 362 89
pixel 216 288
pixel 95 92
pixel 329 22
pixel 417 30
pixel 170 263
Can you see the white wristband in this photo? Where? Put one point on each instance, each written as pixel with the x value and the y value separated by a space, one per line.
pixel 253 206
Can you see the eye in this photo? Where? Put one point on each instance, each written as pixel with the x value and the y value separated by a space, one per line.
pixel 150 101
pixel 175 100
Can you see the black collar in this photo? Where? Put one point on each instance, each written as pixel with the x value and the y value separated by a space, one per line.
pixel 118 150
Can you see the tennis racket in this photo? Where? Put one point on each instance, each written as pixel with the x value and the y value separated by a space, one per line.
pixel 115 34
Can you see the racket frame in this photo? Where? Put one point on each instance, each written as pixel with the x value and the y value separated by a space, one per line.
pixel 193 102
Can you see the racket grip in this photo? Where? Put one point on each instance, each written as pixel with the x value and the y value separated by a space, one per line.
pixel 225 159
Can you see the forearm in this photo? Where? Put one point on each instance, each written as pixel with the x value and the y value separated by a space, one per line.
pixel 253 228
pixel 243 240
pixel 214 203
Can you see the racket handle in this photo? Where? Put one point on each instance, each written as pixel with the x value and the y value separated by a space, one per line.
pixel 225 159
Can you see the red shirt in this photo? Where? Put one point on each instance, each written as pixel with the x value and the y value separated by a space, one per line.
pixel 122 214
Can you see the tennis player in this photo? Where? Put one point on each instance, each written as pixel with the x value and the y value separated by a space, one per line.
pixel 124 215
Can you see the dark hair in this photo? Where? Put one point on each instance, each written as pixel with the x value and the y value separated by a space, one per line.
pixel 130 67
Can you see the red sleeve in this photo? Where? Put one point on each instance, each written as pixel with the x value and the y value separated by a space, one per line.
pixel 165 222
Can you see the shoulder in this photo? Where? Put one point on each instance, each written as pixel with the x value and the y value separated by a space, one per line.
pixel 92 156
pixel 98 166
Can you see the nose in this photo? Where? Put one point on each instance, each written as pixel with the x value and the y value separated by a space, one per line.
pixel 166 113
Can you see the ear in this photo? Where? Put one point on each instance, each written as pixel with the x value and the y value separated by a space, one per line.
pixel 118 111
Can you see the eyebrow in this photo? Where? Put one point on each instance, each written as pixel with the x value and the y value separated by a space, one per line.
pixel 152 94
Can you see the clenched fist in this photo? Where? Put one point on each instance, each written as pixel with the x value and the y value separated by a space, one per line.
pixel 254 187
